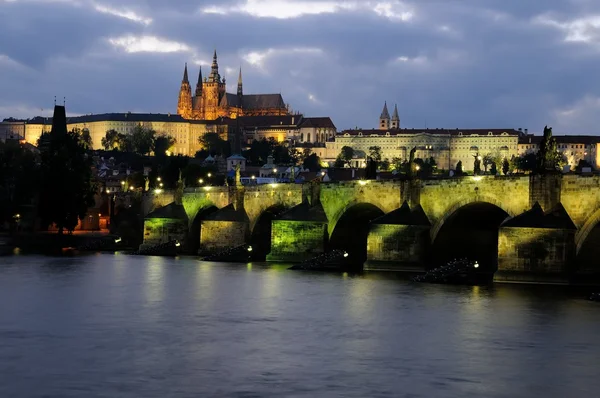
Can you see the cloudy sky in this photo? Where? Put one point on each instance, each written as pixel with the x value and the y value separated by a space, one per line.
pixel 446 63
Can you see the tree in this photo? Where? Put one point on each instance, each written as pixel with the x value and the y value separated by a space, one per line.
pixel 505 166
pixel 488 160
pixel 142 140
pixel 526 162
pixel 19 180
pixel 312 162
pixel 459 168
pixel 215 144
pixel 162 144
pixel 111 140
pixel 66 190
pixel 493 169
pixel 86 139
pixel 375 153
pixel 346 155
pixel 384 164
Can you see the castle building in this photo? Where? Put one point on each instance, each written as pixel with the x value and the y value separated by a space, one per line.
pixel 211 99
pixel 446 146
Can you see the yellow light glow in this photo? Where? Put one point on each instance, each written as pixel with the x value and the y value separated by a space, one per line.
pixel 206 188
pixel 161 184
pixel 274 170
pixel 157 191
pixel 273 185
pixel 132 188
pixel 158 179
pixel 418 167
pixel 253 177
pixel 363 182
pixel 201 181
pixel 177 244
pixel 476 178
pixel 122 182
pixel 118 240
pixel 209 175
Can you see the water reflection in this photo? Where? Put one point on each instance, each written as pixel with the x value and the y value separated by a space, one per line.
pixel 154 327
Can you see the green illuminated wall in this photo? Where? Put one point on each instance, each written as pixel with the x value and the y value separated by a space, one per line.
pixel 217 235
pixel 535 250
pixel 162 230
pixel 296 241
pixel 392 247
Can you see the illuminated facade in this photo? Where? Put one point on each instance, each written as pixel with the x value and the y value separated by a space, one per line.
pixel 574 147
pixel 211 100
pixel 185 132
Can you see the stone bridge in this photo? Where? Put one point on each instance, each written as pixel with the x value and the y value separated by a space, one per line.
pixel 514 224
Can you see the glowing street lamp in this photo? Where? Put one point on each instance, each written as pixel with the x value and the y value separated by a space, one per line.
pixel 209 175
pixel 201 181
pixel 417 167
pixel 132 187
pixel 122 183
pixel 253 177
pixel 158 179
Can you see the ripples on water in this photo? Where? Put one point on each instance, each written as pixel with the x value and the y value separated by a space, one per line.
pixel 124 326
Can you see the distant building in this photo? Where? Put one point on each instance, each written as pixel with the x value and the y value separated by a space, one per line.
pixel 446 146
pixel 185 132
pixel 574 147
pixel 12 129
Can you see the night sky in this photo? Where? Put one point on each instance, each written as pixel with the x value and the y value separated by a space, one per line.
pixel 446 63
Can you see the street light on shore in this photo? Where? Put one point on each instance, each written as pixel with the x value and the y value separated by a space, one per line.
pixel 209 175
pixel 201 181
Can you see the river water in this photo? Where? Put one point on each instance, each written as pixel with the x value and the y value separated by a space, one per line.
pixel 129 326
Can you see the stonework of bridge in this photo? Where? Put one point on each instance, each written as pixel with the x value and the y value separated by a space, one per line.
pixel 536 223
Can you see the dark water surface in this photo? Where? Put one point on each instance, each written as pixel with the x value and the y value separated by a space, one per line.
pixel 123 326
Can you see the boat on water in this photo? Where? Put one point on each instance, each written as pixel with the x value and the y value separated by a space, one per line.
pixel 456 272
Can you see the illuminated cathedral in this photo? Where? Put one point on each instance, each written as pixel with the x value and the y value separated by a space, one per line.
pixel 211 100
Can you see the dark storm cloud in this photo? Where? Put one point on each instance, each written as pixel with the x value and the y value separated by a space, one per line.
pixel 484 63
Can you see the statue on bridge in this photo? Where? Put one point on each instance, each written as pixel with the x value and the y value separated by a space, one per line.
pixel 238 175
pixel 548 157
pixel 412 166
pixel 179 190
pixel 477 164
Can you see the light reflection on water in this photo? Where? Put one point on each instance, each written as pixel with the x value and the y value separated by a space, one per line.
pixel 128 326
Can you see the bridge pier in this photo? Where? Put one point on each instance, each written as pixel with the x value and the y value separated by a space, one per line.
pixel 224 229
pixel 299 234
pixel 537 246
pixel 398 241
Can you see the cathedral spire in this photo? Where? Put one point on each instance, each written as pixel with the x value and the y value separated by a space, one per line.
pixel 395 118
pixel 240 90
pixel 384 119
pixel 385 114
pixel 214 71
pixel 199 84
pixel 185 75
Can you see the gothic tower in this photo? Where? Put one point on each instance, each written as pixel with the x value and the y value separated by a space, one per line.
pixel 212 91
pixel 395 118
pixel 240 91
pixel 197 104
pixel 184 105
pixel 384 119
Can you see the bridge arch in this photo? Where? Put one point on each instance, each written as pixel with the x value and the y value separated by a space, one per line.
pixel 469 230
pixel 492 200
pixel 350 230
pixel 585 231
pixel 260 232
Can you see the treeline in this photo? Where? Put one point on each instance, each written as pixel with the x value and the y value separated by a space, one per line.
pixel 53 185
